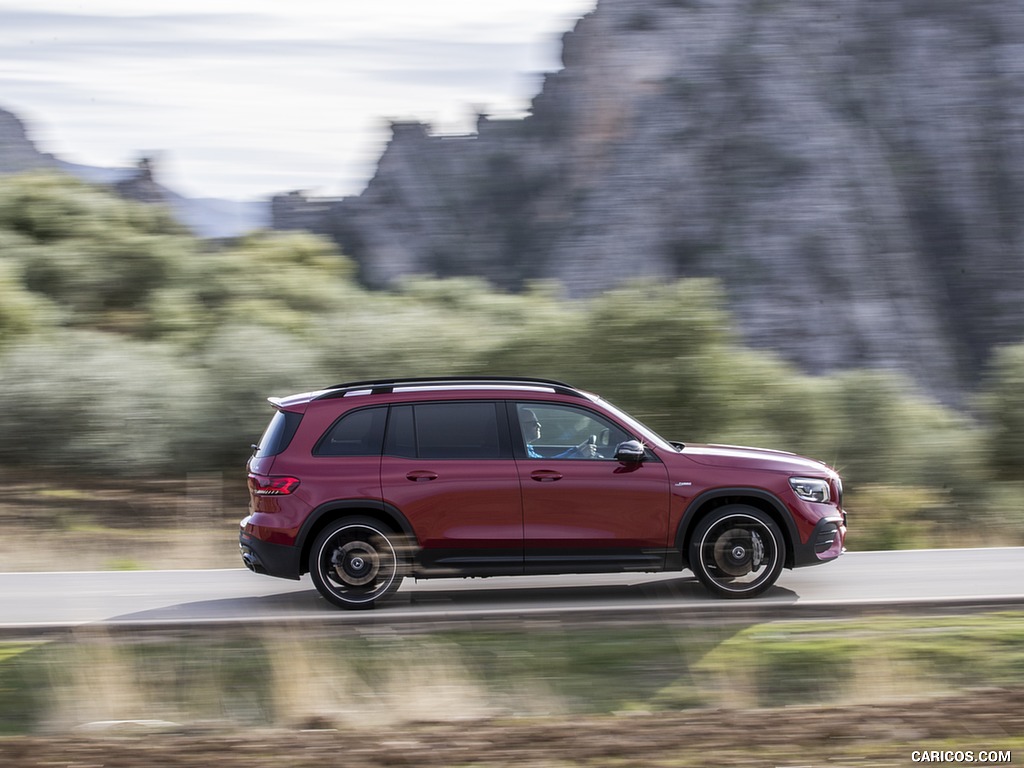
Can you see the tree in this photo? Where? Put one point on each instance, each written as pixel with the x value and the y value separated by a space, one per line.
pixel 21 311
pixel 1002 403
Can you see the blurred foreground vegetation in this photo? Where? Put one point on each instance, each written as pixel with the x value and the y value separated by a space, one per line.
pixel 331 677
pixel 131 350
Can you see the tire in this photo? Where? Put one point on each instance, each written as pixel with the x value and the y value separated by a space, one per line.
pixel 737 551
pixel 356 562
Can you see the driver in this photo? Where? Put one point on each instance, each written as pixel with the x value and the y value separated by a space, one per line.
pixel 531 434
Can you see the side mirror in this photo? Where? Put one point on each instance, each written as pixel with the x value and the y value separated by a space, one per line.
pixel 630 451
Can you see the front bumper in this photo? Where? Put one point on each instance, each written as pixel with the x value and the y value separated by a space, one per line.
pixel 825 543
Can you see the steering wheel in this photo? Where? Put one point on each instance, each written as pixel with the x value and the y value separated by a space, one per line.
pixel 588 449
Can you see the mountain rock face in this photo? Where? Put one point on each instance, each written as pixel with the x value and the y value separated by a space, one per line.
pixel 17 152
pixel 852 171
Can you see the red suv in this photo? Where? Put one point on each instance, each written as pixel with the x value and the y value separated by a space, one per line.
pixel 364 483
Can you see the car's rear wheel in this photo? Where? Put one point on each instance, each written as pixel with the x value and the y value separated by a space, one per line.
pixel 737 551
pixel 356 562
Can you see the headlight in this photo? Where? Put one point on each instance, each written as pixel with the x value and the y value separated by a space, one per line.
pixel 810 489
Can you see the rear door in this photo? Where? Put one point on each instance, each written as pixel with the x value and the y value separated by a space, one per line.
pixel 448 467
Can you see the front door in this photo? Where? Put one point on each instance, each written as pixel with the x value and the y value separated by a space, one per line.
pixel 584 511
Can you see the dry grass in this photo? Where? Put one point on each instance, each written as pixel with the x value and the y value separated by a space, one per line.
pixel 299 677
pixel 54 525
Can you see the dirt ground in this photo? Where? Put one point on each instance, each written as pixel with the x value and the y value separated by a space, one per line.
pixel 868 735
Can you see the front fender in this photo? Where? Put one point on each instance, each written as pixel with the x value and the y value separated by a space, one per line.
pixel 756 497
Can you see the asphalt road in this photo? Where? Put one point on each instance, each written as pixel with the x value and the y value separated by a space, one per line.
pixel 924 579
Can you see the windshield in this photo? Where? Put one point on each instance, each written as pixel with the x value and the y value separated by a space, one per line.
pixel 649 435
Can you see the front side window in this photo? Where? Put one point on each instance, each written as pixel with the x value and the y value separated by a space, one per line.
pixel 565 432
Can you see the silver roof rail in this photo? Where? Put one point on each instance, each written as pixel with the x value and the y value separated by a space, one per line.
pixel 387 386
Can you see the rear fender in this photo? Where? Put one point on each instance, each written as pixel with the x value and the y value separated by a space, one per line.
pixel 334 510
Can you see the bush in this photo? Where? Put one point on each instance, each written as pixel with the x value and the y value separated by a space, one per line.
pixel 95 403
pixel 21 311
pixel 1002 403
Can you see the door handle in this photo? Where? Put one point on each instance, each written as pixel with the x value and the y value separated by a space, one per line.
pixel 421 475
pixel 545 475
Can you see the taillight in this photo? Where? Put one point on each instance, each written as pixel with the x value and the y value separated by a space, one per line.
pixel 261 485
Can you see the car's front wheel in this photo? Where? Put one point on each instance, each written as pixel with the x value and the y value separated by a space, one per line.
pixel 737 551
pixel 356 562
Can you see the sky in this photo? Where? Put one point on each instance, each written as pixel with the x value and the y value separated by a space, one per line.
pixel 243 100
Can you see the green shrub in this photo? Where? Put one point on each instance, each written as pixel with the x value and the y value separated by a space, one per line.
pixel 93 402
pixel 1002 402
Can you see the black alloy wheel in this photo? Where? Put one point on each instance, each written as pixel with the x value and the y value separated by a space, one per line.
pixel 737 551
pixel 356 562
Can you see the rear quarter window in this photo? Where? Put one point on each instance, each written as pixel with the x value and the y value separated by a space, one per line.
pixel 278 434
pixel 357 433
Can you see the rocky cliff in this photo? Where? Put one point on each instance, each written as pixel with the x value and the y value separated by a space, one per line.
pixel 17 152
pixel 852 171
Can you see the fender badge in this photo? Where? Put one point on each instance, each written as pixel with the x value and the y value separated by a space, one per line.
pixel 680 484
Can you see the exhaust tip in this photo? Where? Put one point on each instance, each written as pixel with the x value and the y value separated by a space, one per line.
pixel 251 561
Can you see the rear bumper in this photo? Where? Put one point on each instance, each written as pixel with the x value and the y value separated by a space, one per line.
pixel 264 557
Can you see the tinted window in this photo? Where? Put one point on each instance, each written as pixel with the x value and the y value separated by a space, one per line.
pixel 401 439
pixel 466 430
pixel 278 434
pixel 359 433
pixel 457 431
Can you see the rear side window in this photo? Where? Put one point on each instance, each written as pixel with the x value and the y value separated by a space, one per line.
pixel 278 434
pixel 358 433
pixel 401 439
pixel 463 430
